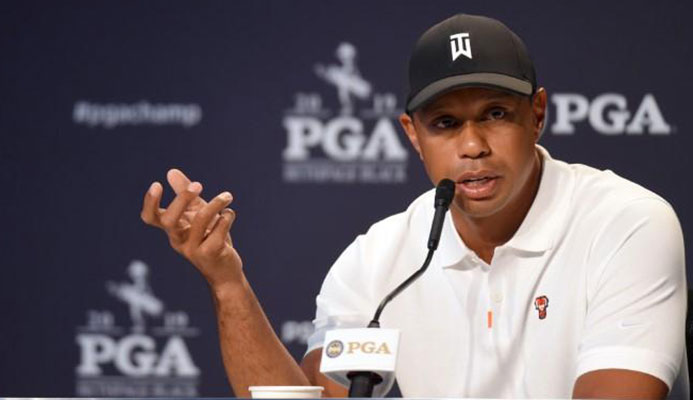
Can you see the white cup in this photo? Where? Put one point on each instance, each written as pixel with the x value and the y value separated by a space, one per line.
pixel 286 392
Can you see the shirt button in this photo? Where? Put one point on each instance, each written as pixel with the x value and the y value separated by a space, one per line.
pixel 497 297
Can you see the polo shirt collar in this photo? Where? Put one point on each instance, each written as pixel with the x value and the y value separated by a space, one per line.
pixel 537 231
pixel 451 248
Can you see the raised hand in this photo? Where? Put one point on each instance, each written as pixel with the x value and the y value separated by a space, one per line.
pixel 197 229
pixel 251 350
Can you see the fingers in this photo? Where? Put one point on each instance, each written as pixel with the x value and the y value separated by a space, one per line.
pixel 171 217
pixel 180 182
pixel 205 216
pixel 150 206
pixel 216 239
pixel 177 179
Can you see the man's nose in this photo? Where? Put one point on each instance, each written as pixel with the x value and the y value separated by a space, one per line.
pixel 472 141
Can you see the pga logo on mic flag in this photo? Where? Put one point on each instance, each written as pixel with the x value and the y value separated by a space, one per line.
pixel 361 349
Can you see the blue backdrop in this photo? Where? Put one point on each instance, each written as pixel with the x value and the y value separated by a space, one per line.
pixel 98 99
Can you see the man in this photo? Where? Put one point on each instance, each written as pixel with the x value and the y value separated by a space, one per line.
pixel 551 279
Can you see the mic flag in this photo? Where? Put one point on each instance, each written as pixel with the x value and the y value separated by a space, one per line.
pixel 361 349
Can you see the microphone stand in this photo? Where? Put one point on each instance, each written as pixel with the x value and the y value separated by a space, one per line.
pixel 363 382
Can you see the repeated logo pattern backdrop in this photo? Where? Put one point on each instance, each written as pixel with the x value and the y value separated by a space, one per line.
pixel 292 106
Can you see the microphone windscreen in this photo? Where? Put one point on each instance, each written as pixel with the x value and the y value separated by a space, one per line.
pixel 445 191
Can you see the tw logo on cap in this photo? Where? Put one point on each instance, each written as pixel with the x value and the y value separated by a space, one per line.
pixel 460 45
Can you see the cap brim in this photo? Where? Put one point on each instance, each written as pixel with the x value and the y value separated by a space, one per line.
pixel 482 79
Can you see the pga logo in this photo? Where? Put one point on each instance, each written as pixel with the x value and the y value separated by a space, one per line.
pixel 342 139
pixel 368 348
pixel 336 348
pixel 134 355
pixel 608 114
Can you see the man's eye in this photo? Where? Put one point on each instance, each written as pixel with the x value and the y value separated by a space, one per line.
pixel 444 123
pixel 496 113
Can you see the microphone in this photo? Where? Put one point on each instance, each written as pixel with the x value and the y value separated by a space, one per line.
pixel 376 364
pixel 445 191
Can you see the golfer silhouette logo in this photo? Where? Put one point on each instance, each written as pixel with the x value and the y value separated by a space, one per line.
pixel 137 295
pixel 346 77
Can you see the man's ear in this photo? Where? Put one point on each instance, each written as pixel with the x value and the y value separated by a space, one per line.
pixel 407 123
pixel 539 111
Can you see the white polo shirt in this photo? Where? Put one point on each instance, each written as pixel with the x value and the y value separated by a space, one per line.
pixel 604 253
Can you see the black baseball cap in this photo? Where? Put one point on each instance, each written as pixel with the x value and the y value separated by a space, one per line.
pixel 468 51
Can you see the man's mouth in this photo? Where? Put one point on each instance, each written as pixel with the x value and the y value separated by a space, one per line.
pixel 476 181
pixel 477 186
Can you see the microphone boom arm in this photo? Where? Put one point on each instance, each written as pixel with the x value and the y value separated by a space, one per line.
pixel 362 382
pixel 375 323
